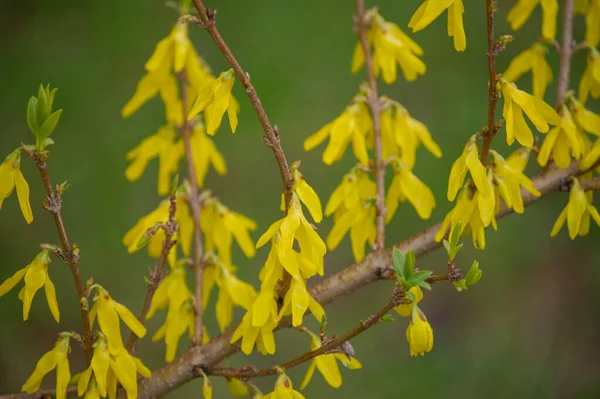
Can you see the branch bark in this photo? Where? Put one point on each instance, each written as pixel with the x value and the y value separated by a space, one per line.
pixel 566 50
pixel 491 128
pixel 373 102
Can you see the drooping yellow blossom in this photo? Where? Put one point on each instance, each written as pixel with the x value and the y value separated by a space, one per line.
pixel 400 131
pixel 577 213
pixel 214 99
pixel 297 301
pixel 405 309
pixel 590 80
pixel 533 59
pixel 352 126
pixel 406 186
pixel 232 292
pixel 468 160
pixel 591 10
pixel 207 387
pixel 220 225
pixel 591 158
pixel 124 369
pixel 419 333
pixel 356 187
pixel 180 318
pixel 99 368
pixel 513 179
pixel 521 11
pixel 584 118
pixel 563 141
pixel 515 103
pixel 390 46
pixel 161 215
pixel 474 211
pixel 172 55
pixel 307 195
pixel 109 312
pixel 327 365
pixel 431 9
pixel 36 276
pixel 237 388
pixel 11 177
pixel 261 335
pixel 284 389
pixel 55 359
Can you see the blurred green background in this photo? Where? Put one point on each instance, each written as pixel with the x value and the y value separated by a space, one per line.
pixel 530 328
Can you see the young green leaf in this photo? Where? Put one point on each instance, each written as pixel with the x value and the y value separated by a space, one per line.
pixel 31 121
pixel 49 125
pixel 399 262
pixel 420 276
pixel 424 284
pixel 409 266
pixel 474 274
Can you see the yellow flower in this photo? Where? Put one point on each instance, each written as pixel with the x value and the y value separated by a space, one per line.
pixel 109 311
pixel 592 24
pixel 590 80
pixel 307 195
pixel 352 126
pixel 161 215
pixel 515 103
pixel 214 99
pixel 36 276
pixel 124 369
pixel 171 290
pixel 207 387
pixel 514 179
pixel 468 160
pixel 99 367
pixel 419 333
pixel 577 212
pixel 400 130
pixel 284 389
pixel 591 158
pixel 519 14
pixel 232 292
pixel 205 153
pixel 261 335
pixel 56 358
pixel 11 177
pixel 237 388
pixel 584 118
pixel 297 301
pixel 173 53
pixel 563 141
pixel 391 46
pixel 327 365
pixel 519 159
pixel 533 59
pixel 180 318
pixel 406 186
pixel 220 225
pixel 431 9
pixel 405 309
pixel 360 221
pixel 356 187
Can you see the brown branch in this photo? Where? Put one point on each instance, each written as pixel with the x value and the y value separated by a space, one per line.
pixel 373 101
pixel 53 204
pixel 331 345
pixel 40 394
pixel 194 203
pixel 491 128
pixel 371 269
pixel 156 275
pixel 566 50
pixel 591 184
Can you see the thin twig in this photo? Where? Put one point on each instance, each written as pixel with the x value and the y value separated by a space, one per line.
pixel 373 101
pixel 249 371
pixel 591 184
pixel 53 204
pixel 156 275
pixel 194 203
pixel 566 49
pixel 491 128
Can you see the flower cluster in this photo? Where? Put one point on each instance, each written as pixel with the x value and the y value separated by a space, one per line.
pixel 11 177
pixel 431 9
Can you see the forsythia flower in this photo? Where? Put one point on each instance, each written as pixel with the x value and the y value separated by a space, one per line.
pixel 306 194
pixel 109 311
pixel 160 215
pixel 591 10
pixel 431 9
pixel 515 103
pixel 534 59
pixel 591 158
pixel 237 388
pixel 406 186
pixel 11 177
pixel 391 46
pixel 284 389
pixel 175 53
pixel 513 179
pixel 584 118
pixel 419 333
pixel 214 99
pixel 107 368
pixel 590 80
pixel 400 130
pixel 180 318
pixel 468 160
pixel 405 309
pixel 356 187
pixel 297 301
pixel 36 276
pixel 577 212
pixel 232 291
pixel 520 13
pixel 261 335
pixel 220 224
pixel 170 150
pixel 352 126
pixel 327 365
pixel 56 358
pixel 563 141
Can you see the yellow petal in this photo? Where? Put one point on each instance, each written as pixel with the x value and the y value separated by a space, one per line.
pixel 10 282
pixel 132 322
pixel 46 364
pixel 51 298
pixel 23 195
pixel 309 197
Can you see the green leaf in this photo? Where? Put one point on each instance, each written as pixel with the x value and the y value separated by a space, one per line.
pixel 49 125
pixel 324 321
pixel 174 184
pixel 399 262
pixel 31 121
pixel 447 246
pixel 474 274
pixel 424 284
pixel 42 111
pixel 409 267
pixel 420 276
pixel 460 285
pixel 386 318
pixel 455 234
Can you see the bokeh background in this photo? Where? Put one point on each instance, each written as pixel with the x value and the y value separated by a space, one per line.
pixel 530 328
